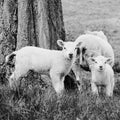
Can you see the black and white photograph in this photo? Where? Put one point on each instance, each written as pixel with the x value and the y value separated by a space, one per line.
pixel 59 59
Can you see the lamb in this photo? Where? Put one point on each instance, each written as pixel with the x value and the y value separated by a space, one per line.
pixel 102 74
pixel 91 43
pixel 97 33
pixel 55 62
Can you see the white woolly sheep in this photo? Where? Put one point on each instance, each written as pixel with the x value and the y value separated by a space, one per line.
pixel 97 33
pixel 91 43
pixel 102 74
pixel 55 62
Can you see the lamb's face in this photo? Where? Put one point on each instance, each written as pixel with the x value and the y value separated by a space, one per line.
pixel 70 50
pixel 99 62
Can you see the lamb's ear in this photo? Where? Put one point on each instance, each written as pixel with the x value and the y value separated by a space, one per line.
pixel 60 43
pixel 92 59
pixel 108 60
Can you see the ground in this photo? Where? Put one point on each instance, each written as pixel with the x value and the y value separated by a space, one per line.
pixel 36 98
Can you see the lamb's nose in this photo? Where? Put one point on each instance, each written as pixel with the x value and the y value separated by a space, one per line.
pixel 70 55
pixel 101 67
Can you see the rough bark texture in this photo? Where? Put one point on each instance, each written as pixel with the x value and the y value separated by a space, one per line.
pixel 9 29
pixel 49 24
pixel 1 11
pixel 25 34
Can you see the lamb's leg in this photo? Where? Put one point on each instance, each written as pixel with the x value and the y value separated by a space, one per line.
pixel 109 90
pixel 78 74
pixel 13 80
pixel 94 88
pixel 57 82
pixel 77 71
pixel 110 86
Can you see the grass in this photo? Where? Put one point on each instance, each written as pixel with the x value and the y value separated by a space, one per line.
pixel 36 98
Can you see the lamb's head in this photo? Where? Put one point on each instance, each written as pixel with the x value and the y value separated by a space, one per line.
pixel 99 62
pixel 70 49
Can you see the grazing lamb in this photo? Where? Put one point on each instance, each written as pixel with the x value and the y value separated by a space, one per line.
pixel 55 62
pixel 91 43
pixel 97 33
pixel 102 74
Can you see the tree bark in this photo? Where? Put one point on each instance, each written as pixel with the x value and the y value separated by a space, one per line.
pixel 1 11
pixel 25 34
pixel 49 25
pixel 9 28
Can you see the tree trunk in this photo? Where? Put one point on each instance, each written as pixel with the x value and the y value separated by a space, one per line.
pixel 25 34
pixel 49 25
pixel 1 11
pixel 9 28
pixel 40 23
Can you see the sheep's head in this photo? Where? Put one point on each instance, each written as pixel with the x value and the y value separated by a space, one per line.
pixel 99 62
pixel 70 49
pixel 97 33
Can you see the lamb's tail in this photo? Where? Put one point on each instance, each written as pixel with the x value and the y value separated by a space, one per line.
pixel 10 57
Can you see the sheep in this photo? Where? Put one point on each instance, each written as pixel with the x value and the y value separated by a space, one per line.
pixel 55 62
pixel 97 33
pixel 91 43
pixel 95 43
pixel 102 74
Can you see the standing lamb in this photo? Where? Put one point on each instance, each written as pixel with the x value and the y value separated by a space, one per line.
pixel 91 43
pixel 102 74
pixel 55 62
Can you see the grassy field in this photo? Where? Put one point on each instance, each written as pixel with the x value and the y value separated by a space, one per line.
pixel 104 15
pixel 36 98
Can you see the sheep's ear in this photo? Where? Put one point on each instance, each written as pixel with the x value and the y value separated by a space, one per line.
pixel 101 32
pixel 60 43
pixel 84 50
pixel 78 52
pixel 108 60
